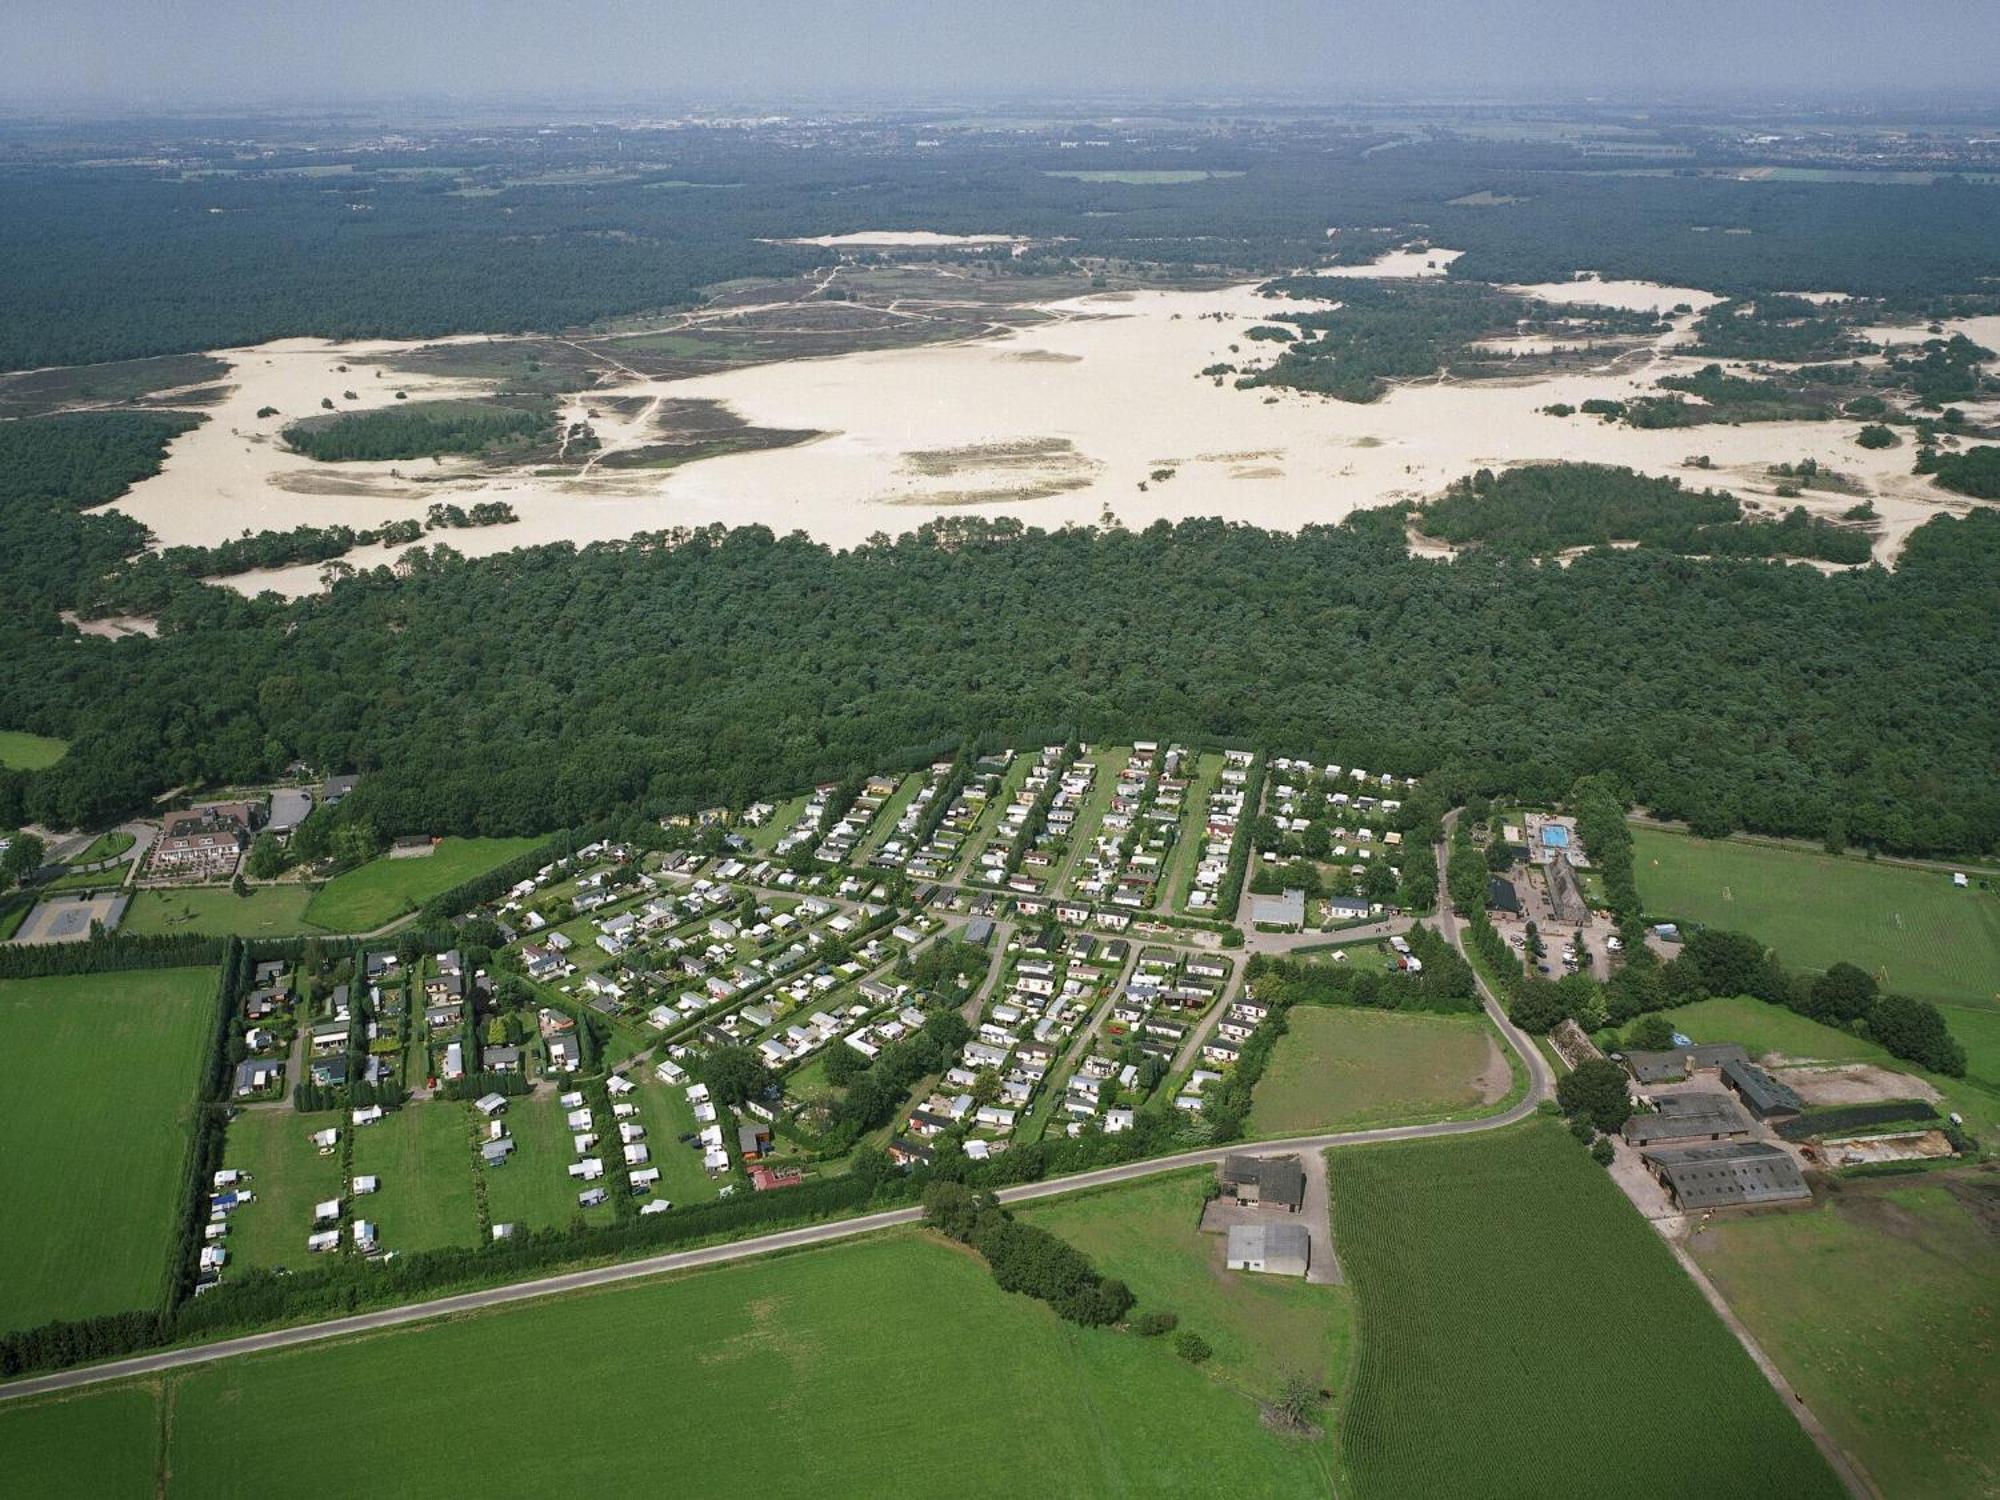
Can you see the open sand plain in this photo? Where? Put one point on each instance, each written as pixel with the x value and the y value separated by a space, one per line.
pixel 1068 421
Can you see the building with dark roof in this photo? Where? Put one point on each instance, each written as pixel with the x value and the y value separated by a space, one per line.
pixel 1676 1063
pixel 1267 1181
pixel 1764 1096
pixel 1689 1117
pixel 1501 896
pixel 1734 1174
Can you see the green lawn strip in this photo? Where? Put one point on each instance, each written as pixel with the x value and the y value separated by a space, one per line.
pixel 534 1188
pixel 29 752
pixel 988 822
pixel 1772 1034
pixel 1859 1300
pixel 383 889
pixel 886 816
pixel 764 838
pixel 1339 1068
pixel 1913 929
pixel 1262 1328
pixel 214 910
pixel 1109 760
pixel 1482 1267
pixel 423 1155
pixel 288 1177
pixel 1192 836
pixel 1372 956
pixel 93 1132
pixel 820 1343
pixel 667 1116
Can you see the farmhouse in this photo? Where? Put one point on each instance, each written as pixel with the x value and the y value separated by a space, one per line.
pixel 1689 1117
pixel 1732 1174
pixel 1274 1249
pixel 254 1077
pixel 1265 1181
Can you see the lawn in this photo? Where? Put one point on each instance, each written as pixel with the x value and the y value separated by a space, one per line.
pixel 1524 1332
pixel 267 911
pixel 383 889
pixel 423 1154
pixel 91 1443
pixel 1109 760
pixel 884 823
pixel 1877 1303
pixel 29 752
pixel 1915 931
pixel 667 1116
pixel 764 837
pixel 93 1136
pixel 1771 1029
pixel 534 1187
pixel 1346 1069
pixel 832 1349
pixel 1261 1327
pixel 287 1177
pixel 1192 836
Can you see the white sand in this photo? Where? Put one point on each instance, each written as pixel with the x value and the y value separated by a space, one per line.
pixel 1634 296
pixel 1397 265
pixel 1054 424
pixel 884 238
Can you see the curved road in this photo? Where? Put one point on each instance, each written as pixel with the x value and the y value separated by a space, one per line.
pixel 791 1239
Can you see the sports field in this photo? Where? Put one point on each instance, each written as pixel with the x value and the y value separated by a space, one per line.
pixel 1860 1301
pixel 94 1122
pixel 1261 1327
pixel 423 1155
pixel 838 1352
pixel 29 752
pixel 1524 1332
pixel 383 889
pixel 1346 1069
pixel 1915 931
pixel 266 911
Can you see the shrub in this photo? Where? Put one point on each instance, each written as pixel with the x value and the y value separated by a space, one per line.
pixel 1875 435
pixel 1152 1324
pixel 1192 1347
pixel 1602 1152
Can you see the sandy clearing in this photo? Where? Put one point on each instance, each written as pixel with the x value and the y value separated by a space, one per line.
pixel 883 238
pixel 1096 397
pixel 1634 296
pixel 1397 265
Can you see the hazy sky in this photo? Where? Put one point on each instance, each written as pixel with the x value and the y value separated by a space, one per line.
pixel 214 51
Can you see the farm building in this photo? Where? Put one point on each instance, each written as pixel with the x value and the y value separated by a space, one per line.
pixel 1274 1249
pixel 1267 1181
pixel 1762 1095
pixel 1676 1063
pixel 1727 1175
pixel 1689 1117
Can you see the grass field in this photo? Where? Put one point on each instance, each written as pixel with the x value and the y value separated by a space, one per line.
pixel 97 1442
pixel 764 838
pixel 832 1349
pixel 884 823
pixel 1261 1327
pixel 1912 929
pixel 1524 1332
pixel 423 1154
pixel 1191 836
pixel 1109 760
pixel 534 1188
pixel 287 1177
pixel 267 911
pixel 1342 1069
pixel 667 1116
pixel 29 752
pixel 94 1124
pixel 1878 1305
pixel 383 889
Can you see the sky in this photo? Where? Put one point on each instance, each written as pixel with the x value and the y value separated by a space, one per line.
pixel 135 53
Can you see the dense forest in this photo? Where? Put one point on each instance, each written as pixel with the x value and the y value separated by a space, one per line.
pixel 1541 509
pixel 425 429
pixel 555 231
pixel 1970 471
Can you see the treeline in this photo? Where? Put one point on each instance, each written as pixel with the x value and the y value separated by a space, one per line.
pixel 425 429
pixel 1026 1258
pixel 1547 508
pixel 1969 471
pixel 1444 987
pixel 873 1092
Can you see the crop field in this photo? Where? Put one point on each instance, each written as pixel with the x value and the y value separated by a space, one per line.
pixel 29 752
pixel 383 889
pixel 1339 1068
pixel 1915 931
pixel 96 1442
pixel 823 1343
pixel 534 1188
pixel 1261 1327
pixel 267 911
pixel 287 1177
pixel 1856 1297
pixel 94 1124
pixel 423 1154
pixel 1523 1332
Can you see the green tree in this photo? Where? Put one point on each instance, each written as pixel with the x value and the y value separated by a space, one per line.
pixel 1596 1090
pixel 735 1074
pixel 22 859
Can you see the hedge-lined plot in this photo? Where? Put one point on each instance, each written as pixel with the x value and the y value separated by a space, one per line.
pixel 1524 1332
pixel 94 1126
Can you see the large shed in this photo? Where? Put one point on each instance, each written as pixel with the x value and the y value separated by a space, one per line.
pixel 1281 1249
pixel 1733 1174
pixel 1763 1095
pixel 1688 1117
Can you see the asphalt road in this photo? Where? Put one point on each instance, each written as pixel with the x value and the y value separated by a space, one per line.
pixel 791 1239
